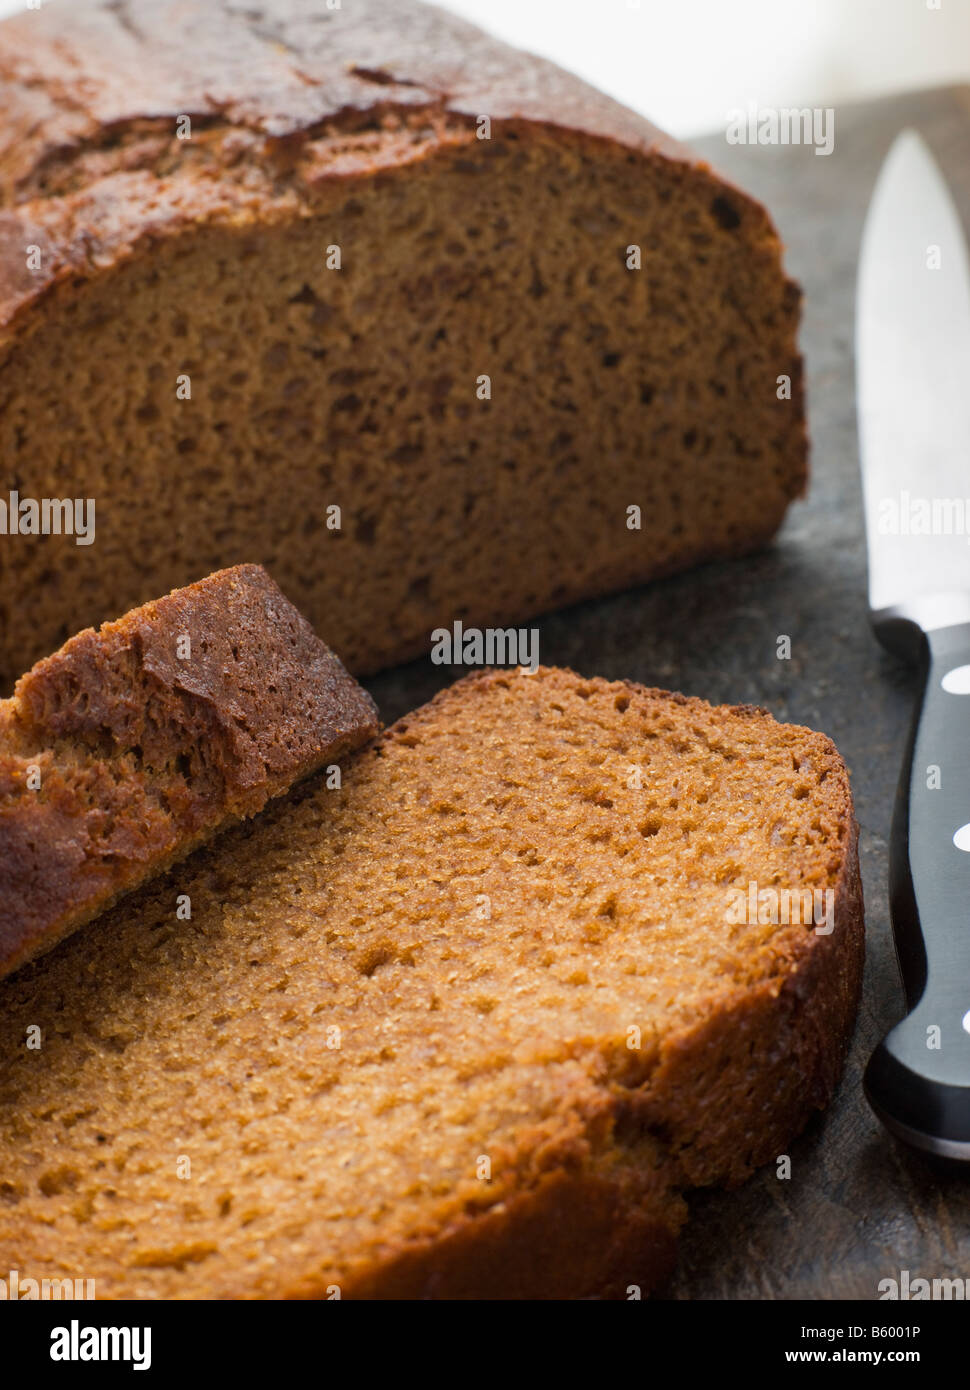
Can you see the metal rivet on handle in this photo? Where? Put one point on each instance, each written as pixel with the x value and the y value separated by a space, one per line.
pixel 957 681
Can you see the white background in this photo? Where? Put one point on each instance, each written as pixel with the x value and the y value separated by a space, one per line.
pixel 687 63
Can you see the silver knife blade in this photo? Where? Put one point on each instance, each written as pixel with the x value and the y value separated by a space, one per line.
pixel 913 391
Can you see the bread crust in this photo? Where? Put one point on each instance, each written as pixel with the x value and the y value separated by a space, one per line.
pixel 143 755
pixel 274 81
pixel 725 1094
pixel 572 1236
pixel 730 1094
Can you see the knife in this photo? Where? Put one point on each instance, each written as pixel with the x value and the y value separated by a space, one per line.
pixel 913 387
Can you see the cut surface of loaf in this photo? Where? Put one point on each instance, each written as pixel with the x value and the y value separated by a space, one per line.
pixel 128 747
pixel 466 1027
pixel 296 308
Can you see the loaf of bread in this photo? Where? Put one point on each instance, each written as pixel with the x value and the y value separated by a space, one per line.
pixel 130 746
pixel 468 1026
pixel 425 325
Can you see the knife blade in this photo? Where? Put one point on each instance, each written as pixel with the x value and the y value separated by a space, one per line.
pixel 913 390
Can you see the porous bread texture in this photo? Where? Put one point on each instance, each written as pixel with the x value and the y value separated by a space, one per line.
pixel 467 1027
pixel 131 745
pixel 360 387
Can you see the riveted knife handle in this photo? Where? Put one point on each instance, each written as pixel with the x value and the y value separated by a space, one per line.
pixel 918 1079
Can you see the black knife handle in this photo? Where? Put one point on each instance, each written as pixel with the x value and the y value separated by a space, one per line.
pixel 918 1079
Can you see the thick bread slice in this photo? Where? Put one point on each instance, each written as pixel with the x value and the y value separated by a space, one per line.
pixel 128 747
pixel 287 318
pixel 465 1027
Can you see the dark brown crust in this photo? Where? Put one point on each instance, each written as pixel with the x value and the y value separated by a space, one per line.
pixel 143 754
pixel 571 1237
pixel 76 76
pixel 731 1094
pixel 111 77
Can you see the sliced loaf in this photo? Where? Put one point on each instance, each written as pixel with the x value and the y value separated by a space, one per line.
pixel 422 375
pixel 467 1027
pixel 128 747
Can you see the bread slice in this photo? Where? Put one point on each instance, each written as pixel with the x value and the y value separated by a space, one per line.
pixel 289 316
pixel 467 1027
pixel 128 747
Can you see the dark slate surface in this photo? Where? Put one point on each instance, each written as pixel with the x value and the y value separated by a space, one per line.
pixel 857 1208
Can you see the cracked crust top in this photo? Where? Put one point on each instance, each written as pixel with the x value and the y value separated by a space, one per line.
pixel 92 89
